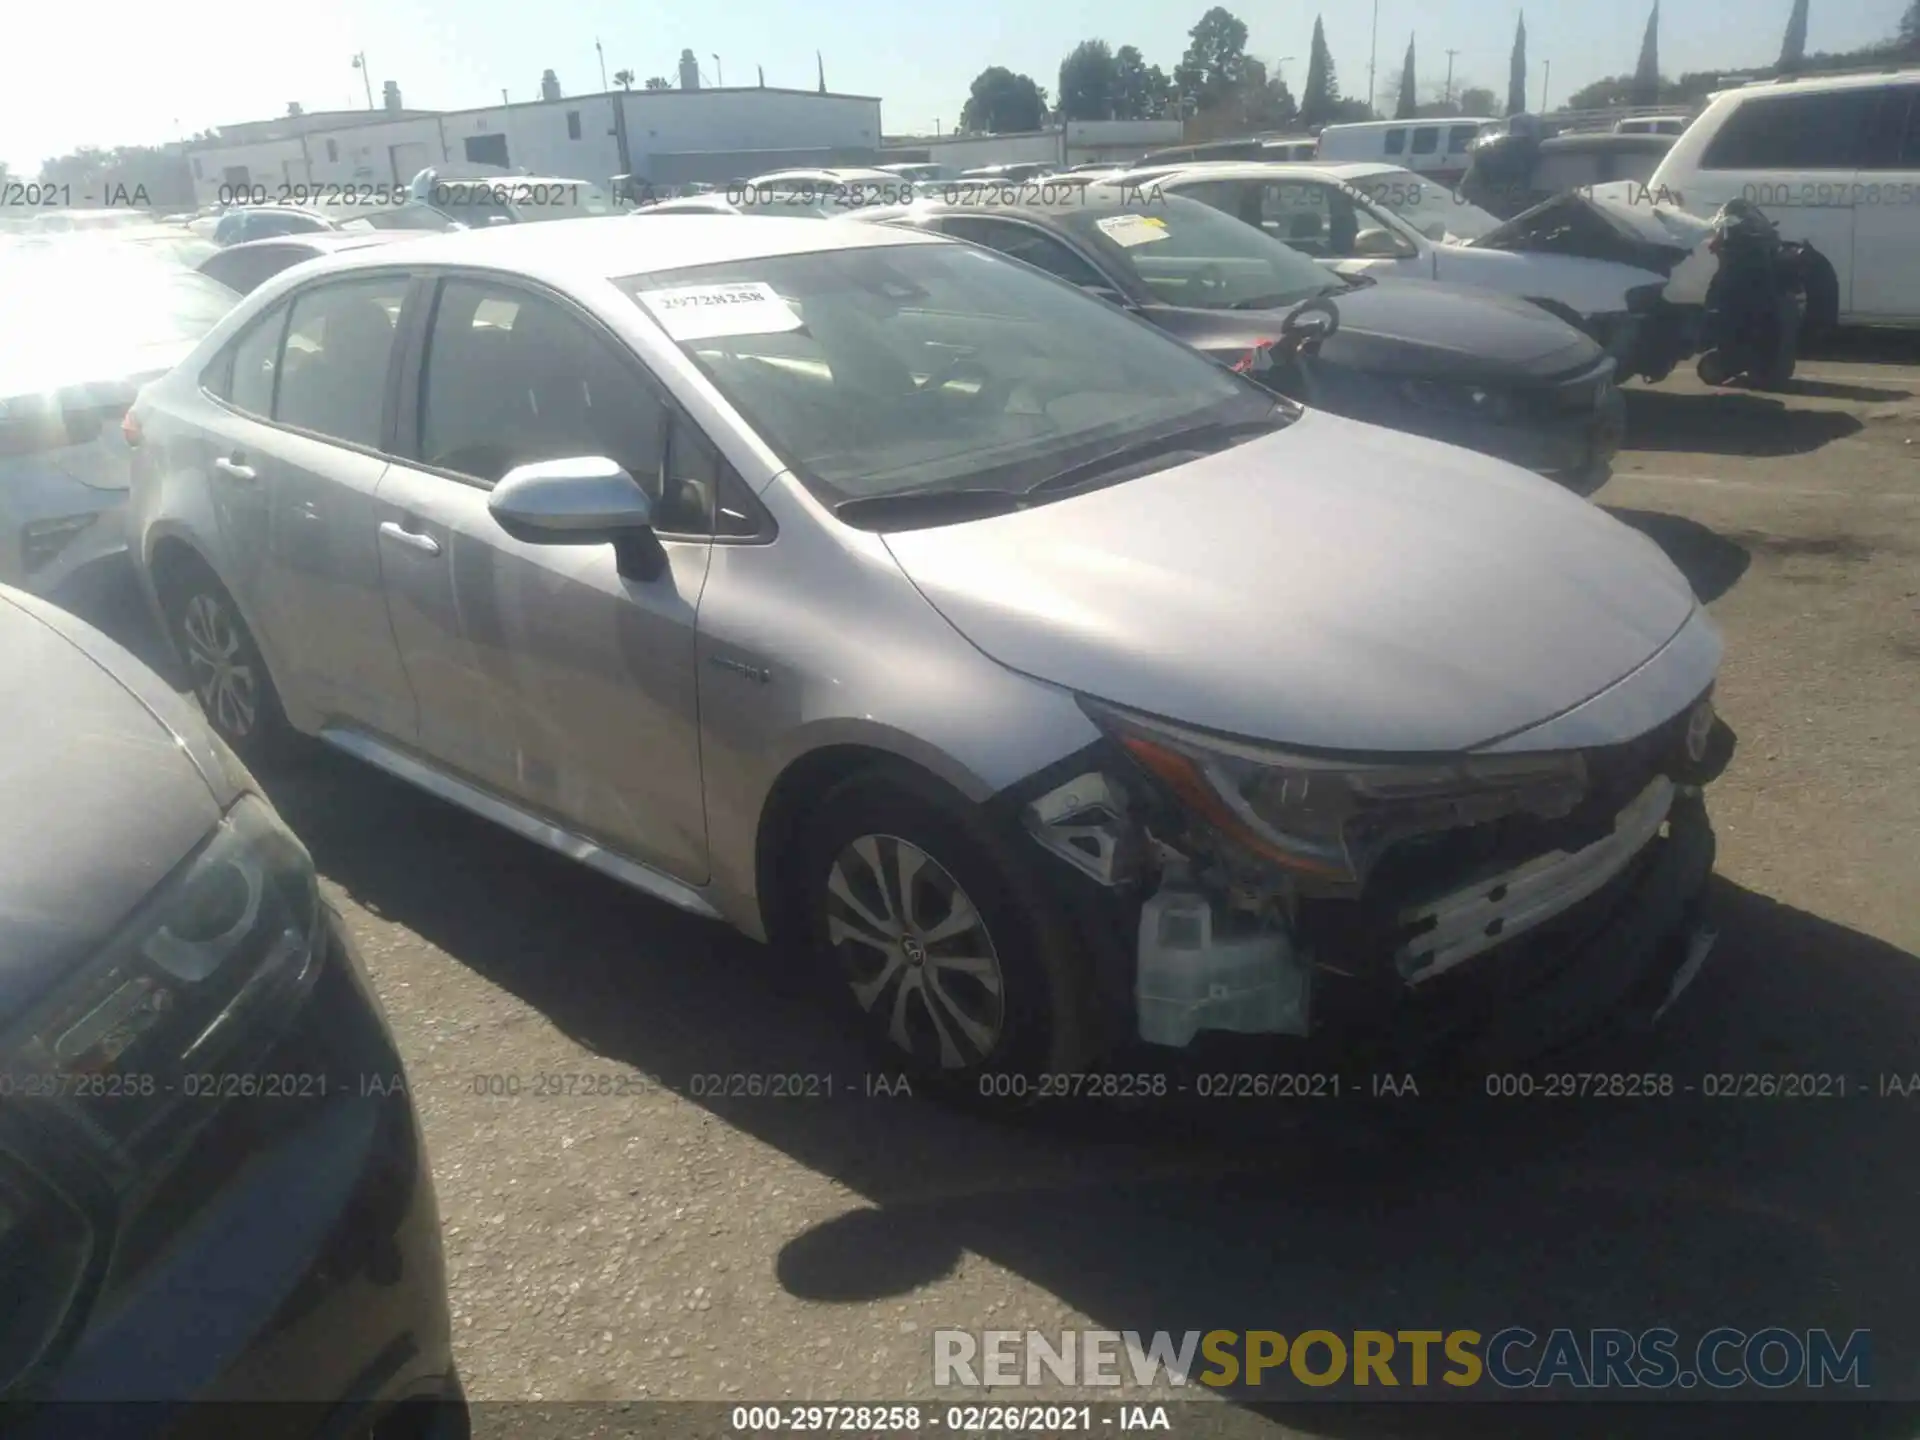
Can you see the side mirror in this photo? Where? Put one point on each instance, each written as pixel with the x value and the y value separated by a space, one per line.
pixel 1378 244
pixel 588 500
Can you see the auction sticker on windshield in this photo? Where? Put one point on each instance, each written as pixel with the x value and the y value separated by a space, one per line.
pixel 706 312
pixel 1131 230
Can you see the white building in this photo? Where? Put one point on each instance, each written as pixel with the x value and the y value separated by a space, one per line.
pixel 1078 142
pixel 671 137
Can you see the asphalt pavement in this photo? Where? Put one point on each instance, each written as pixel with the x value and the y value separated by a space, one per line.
pixel 649 1222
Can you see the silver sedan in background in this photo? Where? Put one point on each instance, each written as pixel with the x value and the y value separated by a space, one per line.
pixel 883 596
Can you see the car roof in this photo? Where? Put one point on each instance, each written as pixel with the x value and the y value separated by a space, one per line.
pixel 1305 169
pixel 1096 198
pixel 1606 140
pixel 328 241
pixel 1899 75
pixel 612 246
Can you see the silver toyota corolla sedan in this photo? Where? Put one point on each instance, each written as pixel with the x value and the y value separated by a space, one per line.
pixel 880 595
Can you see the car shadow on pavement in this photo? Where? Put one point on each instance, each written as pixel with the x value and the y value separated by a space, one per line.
pixel 1712 563
pixel 1729 422
pixel 1356 1213
pixel 1814 389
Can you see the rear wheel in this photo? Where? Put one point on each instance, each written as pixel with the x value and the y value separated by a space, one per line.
pixel 224 666
pixel 958 972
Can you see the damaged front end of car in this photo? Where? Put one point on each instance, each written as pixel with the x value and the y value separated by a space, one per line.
pixel 1483 906
pixel 1657 324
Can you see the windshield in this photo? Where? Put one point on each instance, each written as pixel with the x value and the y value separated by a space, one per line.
pixel 1189 254
pixel 1432 209
pixel 929 367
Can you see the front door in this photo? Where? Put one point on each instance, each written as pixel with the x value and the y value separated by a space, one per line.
pixel 543 672
pixel 1886 241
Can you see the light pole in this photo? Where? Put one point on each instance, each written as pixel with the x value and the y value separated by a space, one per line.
pixel 1280 67
pixel 1373 54
pixel 603 65
pixel 1546 74
pixel 1447 98
pixel 360 64
pixel 719 81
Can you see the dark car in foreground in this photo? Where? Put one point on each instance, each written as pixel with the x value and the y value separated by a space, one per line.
pixel 1452 363
pixel 212 1184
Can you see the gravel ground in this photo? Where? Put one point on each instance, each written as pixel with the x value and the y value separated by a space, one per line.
pixel 644 1238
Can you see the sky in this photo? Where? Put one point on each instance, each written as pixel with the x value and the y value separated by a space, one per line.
pixel 179 66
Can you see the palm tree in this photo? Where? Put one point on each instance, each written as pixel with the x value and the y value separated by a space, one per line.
pixel 623 78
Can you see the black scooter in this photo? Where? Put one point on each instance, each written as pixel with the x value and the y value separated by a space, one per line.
pixel 1756 304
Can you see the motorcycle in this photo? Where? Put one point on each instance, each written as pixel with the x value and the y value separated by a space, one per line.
pixel 1756 304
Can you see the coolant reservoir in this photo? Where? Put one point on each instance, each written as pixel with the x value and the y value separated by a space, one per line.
pixel 1192 979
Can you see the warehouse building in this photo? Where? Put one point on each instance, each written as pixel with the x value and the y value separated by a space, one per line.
pixel 670 137
pixel 1078 142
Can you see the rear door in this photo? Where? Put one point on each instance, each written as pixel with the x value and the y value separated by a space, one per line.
pixel 1886 237
pixel 294 461
pixel 1796 156
pixel 543 672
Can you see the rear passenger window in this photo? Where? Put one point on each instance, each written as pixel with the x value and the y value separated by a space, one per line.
pixel 256 358
pixel 513 377
pixel 1396 142
pixel 1460 137
pixel 1818 131
pixel 1892 140
pixel 333 367
pixel 1426 140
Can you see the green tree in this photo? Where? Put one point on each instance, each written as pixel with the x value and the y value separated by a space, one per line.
pixel 1793 46
pixel 1478 100
pixel 1000 102
pixel 1212 70
pixel 659 82
pixel 1087 82
pixel 1321 98
pixel 1646 74
pixel 1908 37
pixel 1517 70
pixel 1408 105
pixel 1140 91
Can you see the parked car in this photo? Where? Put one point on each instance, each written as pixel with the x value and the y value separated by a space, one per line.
pixel 1252 147
pixel 1513 173
pixel 921 173
pixel 477 201
pixel 1438 149
pixel 815 180
pixel 1652 125
pixel 1633 274
pixel 1015 173
pixel 1476 369
pixel 884 596
pixel 1834 161
pixel 802 204
pixel 87 322
pixel 242 223
pixel 244 268
pixel 212 1184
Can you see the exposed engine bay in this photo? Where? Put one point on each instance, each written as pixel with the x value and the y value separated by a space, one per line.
pixel 1424 873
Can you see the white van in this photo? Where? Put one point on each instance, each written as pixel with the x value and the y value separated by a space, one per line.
pixel 1651 125
pixel 1835 162
pixel 1433 149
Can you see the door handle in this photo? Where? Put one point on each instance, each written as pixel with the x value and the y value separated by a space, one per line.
pixel 412 539
pixel 233 469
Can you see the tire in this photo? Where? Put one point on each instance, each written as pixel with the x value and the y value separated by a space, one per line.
pixel 225 668
pixel 975 1034
pixel 1713 369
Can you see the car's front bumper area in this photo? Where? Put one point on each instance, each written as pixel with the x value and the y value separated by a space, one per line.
pixel 289 1268
pixel 1568 429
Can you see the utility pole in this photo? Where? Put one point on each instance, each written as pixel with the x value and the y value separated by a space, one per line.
pixel 366 77
pixel 1373 54
pixel 1546 74
pixel 1280 67
pixel 719 83
pixel 603 65
pixel 1448 98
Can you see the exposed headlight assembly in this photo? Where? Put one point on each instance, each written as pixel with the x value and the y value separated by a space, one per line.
pixel 1328 821
pixel 223 948
pixel 1459 399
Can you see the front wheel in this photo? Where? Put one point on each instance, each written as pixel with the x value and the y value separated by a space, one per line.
pixel 957 970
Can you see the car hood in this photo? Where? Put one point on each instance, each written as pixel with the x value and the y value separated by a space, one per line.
pixel 1333 586
pixel 100 795
pixel 1419 329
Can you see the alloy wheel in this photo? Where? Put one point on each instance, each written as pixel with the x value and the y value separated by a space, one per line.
pixel 916 951
pixel 219 665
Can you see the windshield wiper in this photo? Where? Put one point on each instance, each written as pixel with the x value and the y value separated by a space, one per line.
pixel 1130 460
pixel 927 507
